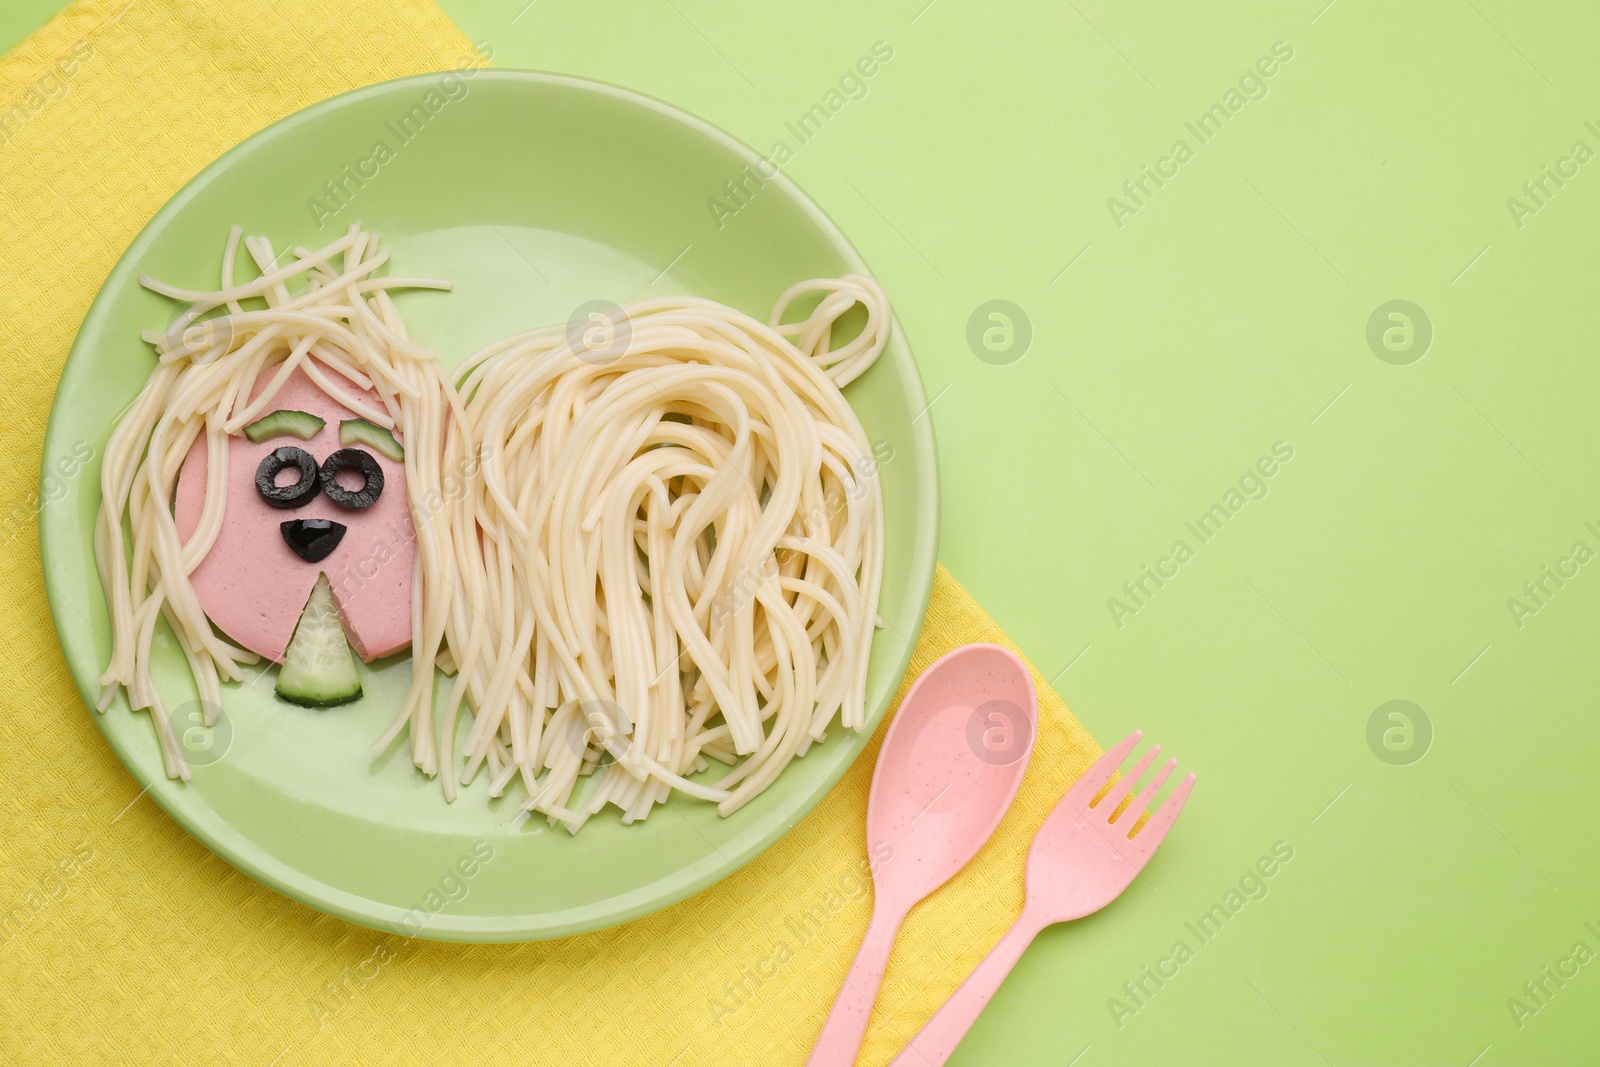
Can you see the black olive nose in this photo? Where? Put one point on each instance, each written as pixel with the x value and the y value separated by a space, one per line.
pixel 312 539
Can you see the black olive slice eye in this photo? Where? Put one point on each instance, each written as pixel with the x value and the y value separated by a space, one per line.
pixel 352 459
pixel 296 494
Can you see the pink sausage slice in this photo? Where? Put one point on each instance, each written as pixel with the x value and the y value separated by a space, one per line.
pixel 252 585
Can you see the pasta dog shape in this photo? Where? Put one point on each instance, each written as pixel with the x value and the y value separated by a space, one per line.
pixel 634 555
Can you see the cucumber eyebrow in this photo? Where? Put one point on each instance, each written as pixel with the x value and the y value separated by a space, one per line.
pixel 285 422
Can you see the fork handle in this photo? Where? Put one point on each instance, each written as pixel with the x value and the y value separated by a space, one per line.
pixel 940 1035
pixel 841 1035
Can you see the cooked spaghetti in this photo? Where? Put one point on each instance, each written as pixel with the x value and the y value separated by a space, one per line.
pixel 643 541
pixel 680 553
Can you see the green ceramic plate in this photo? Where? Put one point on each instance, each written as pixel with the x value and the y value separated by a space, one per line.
pixel 535 193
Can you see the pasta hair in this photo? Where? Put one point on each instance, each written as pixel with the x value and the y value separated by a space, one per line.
pixel 343 324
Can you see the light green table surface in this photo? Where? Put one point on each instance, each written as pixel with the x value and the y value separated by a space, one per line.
pixel 18 18
pixel 1172 347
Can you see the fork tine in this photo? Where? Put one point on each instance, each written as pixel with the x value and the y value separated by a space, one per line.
pixel 1089 783
pixel 1108 803
pixel 1130 815
pixel 1149 838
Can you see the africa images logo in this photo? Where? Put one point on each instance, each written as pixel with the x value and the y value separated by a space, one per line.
pixel 1138 191
pixel 1253 484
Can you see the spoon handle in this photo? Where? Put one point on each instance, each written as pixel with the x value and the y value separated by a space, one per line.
pixel 847 1022
pixel 940 1035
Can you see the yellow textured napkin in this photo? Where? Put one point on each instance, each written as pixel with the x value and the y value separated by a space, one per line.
pixel 124 940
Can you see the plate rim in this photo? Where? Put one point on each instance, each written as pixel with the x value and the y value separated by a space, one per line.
pixel 322 896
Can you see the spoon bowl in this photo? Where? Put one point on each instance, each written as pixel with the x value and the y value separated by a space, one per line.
pixel 950 766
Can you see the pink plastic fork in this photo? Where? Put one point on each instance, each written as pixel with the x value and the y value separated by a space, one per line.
pixel 1082 858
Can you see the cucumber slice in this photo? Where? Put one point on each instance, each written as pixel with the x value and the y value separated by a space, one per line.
pixel 319 670
pixel 362 432
pixel 285 423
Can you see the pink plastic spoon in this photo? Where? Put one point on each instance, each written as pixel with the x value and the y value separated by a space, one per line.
pixel 950 766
